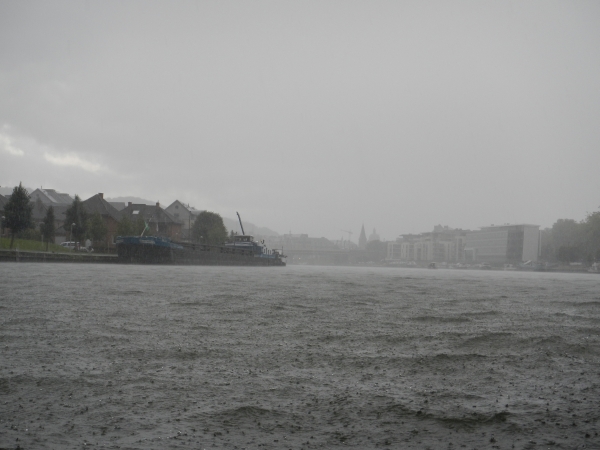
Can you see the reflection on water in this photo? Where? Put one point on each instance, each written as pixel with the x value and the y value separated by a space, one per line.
pixel 296 357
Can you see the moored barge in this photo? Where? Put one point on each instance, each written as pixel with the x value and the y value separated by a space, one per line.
pixel 243 251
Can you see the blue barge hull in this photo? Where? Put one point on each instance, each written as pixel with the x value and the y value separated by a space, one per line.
pixel 157 250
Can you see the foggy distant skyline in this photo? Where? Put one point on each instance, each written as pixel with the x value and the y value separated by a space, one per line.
pixel 310 117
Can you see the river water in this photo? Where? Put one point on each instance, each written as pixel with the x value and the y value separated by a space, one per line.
pixel 154 357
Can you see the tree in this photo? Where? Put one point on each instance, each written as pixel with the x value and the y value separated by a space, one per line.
pixel 571 241
pixel 209 229
pixel 592 236
pixel 568 254
pixel 76 214
pixel 127 227
pixel 47 227
pixel 18 212
pixel 140 225
pixel 547 250
pixel 567 233
pixel 30 234
pixel 98 229
pixel 124 227
pixel 568 240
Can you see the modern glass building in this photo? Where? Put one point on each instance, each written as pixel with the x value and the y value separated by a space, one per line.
pixel 504 243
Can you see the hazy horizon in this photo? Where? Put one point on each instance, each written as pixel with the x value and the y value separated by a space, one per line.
pixel 310 117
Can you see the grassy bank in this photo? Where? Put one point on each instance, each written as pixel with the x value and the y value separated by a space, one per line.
pixel 37 246
pixel 33 246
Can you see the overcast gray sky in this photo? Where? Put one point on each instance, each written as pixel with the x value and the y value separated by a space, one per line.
pixel 310 117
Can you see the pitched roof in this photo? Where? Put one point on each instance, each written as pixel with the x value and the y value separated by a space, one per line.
pixel 119 206
pixel 151 213
pixel 187 207
pixel 51 197
pixel 97 204
pixel 39 211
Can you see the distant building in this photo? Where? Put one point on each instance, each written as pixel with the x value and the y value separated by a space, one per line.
pixel 302 249
pixel 50 197
pixel 184 214
pixel 376 252
pixel 362 239
pixel 443 244
pixel 394 251
pixel 110 216
pixel 504 243
pixel 161 223
pixel 345 244
pixel 374 236
pixel 38 215
pixel 303 242
pixel 495 244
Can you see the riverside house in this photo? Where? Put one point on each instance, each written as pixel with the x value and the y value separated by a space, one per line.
pixel 161 223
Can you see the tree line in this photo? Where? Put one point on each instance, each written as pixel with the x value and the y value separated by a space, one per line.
pixel 571 241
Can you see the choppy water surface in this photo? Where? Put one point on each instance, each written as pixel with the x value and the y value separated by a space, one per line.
pixel 297 357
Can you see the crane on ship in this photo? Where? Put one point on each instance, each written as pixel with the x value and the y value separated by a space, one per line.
pixel 241 226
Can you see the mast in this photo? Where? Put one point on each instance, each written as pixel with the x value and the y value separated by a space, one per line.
pixel 241 226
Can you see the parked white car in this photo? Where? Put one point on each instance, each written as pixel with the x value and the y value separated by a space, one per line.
pixel 74 246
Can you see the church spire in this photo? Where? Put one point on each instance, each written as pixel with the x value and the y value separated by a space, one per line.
pixel 362 240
